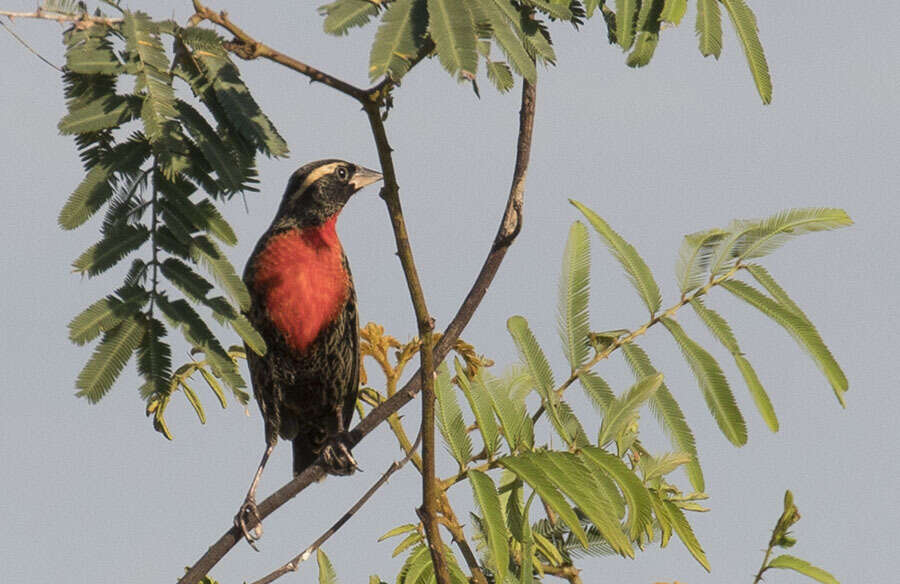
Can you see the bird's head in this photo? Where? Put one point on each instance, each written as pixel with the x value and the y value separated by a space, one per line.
pixel 319 190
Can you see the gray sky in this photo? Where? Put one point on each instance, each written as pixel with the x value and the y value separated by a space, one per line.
pixel 93 494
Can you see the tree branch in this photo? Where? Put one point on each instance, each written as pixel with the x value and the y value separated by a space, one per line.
pixel 294 564
pixel 247 47
pixel 510 226
pixel 83 20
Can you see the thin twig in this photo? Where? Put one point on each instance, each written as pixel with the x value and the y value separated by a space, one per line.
pixel 247 47
pixel 27 46
pixel 294 564
pixel 627 338
pixel 82 20
pixel 510 226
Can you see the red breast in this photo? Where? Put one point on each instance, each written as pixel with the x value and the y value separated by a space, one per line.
pixel 300 274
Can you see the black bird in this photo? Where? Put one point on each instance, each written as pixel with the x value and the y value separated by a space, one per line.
pixel 303 303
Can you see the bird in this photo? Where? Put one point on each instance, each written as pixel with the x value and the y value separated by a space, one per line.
pixel 303 304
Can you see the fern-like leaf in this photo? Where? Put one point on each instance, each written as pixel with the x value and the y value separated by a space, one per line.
pixel 398 39
pixel 480 403
pixel 694 257
pixel 450 418
pixel 493 523
pixel 111 249
pixel 109 358
pixel 624 252
pixel 454 37
pixel 623 410
pixel 343 15
pixel 106 313
pixel 789 562
pixel 327 575
pixel 800 328
pixel 709 28
pixel 722 331
pixel 713 385
pixel 745 24
pixel 626 13
pixel 636 495
pixel 667 412
pixel 773 232
pixel 574 293
pixel 536 361
pixel 503 29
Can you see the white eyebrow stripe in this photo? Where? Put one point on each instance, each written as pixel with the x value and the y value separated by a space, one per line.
pixel 316 175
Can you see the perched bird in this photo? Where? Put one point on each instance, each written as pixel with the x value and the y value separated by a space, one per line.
pixel 303 303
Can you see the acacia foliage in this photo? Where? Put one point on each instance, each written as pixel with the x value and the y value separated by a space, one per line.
pixel 551 485
pixel 509 37
pixel 157 165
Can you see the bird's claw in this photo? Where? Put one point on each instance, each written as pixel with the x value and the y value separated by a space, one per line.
pixel 249 522
pixel 338 459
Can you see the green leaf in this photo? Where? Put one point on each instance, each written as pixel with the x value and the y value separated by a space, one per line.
pixel 694 258
pixel 480 403
pixel 97 186
pixel 494 525
pixel 685 533
pixel 327 574
pixel 499 74
pixel 450 419
pixel 634 265
pixel 514 420
pixel 143 43
pixel 410 540
pixel 674 11
pixel 197 333
pixel 668 413
pixel 343 15
pixel 214 150
pixel 596 389
pixel 110 111
pixel 800 328
pixel 713 385
pixel 574 294
pixel 194 401
pixel 399 530
pixel 214 386
pixel 242 111
pixel 417 565
pixel 639 508
pixel 772 232
pixel 106 313
pixel 503 26
pixel 626 11
pixel 647 38
pixel 533 356
pixel 745 24
pixel 193 285
pixel 154 360
pixel 660 466
pixel 207 253
pixel 454 37
pixel 788 562
pixel 109 358
pixel 532 474
pixel 570 475
pixel 91 52
pixel 398 39
pixel 623 410
pixel 720 329
pixel 709 27
pixel 111 249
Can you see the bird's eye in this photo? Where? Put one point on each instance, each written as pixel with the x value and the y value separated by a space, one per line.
pixel 342 173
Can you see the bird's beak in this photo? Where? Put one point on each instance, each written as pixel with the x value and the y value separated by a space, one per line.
pixel 363 177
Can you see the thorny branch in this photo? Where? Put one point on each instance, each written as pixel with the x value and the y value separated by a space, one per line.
pixel 294 564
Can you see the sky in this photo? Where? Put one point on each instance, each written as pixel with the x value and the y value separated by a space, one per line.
pixel 91 493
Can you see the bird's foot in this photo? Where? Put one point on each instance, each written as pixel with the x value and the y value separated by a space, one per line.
pixel 249 522
pixel 337 457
